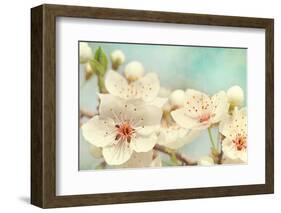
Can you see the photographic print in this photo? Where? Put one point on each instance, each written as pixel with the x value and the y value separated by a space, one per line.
pixel 161 105
pixel 170 97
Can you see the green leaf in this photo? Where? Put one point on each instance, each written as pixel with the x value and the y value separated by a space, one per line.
pixel 100 57
pixel 97 67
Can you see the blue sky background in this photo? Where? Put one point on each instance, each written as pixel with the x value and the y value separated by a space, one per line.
pixel 208 69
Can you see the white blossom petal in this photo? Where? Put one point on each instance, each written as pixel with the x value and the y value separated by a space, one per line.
pixel 120 110
pixel 240 119
pixel 220 106
pixel 230 152
pixel 138 160
pixel 111 107
pixel 158 102
pixel 228 148
pixel 183 119
pixel 117 154
pixel 230 126
pixel 116 84
pixel 226 160
pixel 144 144
pixel 244 156
pixel 168 135
pixel 98 132
pixel 175 138
pixel 195 100
pixel 146 115
pixel 188 138
pixel 147 130
pixel 147 87
pixel 226 128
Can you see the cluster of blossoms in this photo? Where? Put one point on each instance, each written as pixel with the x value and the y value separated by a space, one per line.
pixel 135 114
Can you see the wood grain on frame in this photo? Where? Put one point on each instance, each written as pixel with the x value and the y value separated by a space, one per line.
pixel 43 105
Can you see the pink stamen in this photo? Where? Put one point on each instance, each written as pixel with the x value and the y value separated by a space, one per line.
pixel 124 132
pixel 240 142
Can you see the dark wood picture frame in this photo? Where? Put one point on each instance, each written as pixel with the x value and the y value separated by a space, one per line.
pixel 43 105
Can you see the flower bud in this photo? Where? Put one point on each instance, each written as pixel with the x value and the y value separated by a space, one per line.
pixel 235 96
pixel 206 161
pixel 85 52
pixel 117 58
pixel 134 70
pixel 176 98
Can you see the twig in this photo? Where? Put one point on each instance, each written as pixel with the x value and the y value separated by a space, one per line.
pixel 173 153
pixel 221 137
pixel 220 157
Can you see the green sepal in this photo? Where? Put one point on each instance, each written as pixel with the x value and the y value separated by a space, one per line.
pixel 101 58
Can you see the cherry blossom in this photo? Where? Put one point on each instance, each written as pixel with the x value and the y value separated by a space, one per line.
pixel 234 129
pixel 200 111
pixel 122 128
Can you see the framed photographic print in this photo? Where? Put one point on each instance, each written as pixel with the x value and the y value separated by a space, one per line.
pixel 135 106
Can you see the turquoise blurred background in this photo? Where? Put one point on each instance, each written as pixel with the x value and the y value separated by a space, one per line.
pixel 208 69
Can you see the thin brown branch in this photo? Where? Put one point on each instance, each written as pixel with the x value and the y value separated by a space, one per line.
pixel 220 156
pixel 172 153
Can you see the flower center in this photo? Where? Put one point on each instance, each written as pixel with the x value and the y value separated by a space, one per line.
pixel 124 132
pixel 240 142
pixel 204 118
